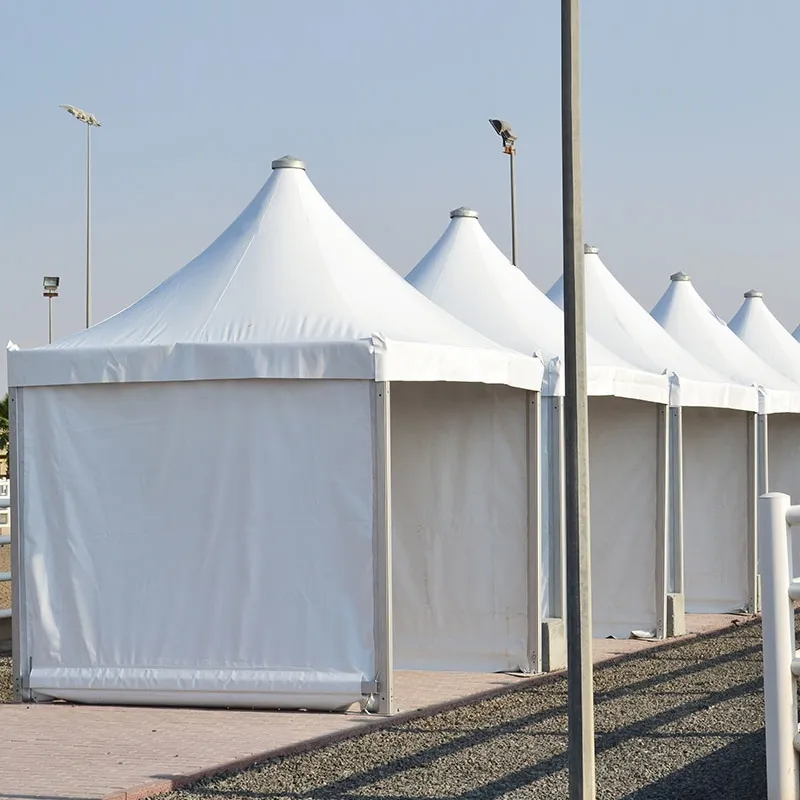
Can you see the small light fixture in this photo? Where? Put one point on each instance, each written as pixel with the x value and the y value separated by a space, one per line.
pixel 503 128
pixel 50 286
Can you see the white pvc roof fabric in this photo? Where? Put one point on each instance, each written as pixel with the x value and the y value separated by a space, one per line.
pixel 685 315
pixel 287 291
pixel 761 331
pixel 468 275
pixel 617 320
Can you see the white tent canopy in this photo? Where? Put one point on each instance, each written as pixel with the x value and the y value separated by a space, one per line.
pixel 190 533
pixel 467 274
pixel 761 331
pixel 619 322
pixel 688 319
pixel 335 310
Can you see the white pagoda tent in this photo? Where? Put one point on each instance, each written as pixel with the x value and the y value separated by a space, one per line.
pixel 761 331
pixel 210 486
pixel 709 423
pixel 721 583
pixel 467 275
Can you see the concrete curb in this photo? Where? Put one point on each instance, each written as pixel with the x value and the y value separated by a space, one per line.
pixel 167 785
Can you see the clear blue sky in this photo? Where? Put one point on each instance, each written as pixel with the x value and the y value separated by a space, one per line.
pixel 691 123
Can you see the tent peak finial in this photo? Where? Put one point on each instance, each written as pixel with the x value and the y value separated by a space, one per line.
pixel 677 277
pixel 288 162
pixel 464 211
pixel 589 250
pixel 753 293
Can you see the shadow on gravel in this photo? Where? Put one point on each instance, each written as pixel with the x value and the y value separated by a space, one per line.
pixel 722 774
pixel 689 687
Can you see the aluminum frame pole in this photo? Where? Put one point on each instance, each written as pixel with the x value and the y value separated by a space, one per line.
pixel 88 225
pixel 511 158
pixel 50 320
pixel 580 700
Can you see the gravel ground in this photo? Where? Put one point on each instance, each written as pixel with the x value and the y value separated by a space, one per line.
pixel 5 679
pixel 682 721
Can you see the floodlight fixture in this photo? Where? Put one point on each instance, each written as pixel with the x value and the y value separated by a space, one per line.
pixel 503 129
pixel 83 116
pixel 50 285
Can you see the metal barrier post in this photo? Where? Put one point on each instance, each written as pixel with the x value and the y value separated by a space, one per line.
pixel 780 700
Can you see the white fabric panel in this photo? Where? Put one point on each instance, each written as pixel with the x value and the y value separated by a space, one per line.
pixel 214 537
pixel 715 510
pixel 784 466
pixel 761 331
pixel 467 275
pixel 686 317
pixel 459 527
pixel 619 322
pixel 287 291
pixel 623 459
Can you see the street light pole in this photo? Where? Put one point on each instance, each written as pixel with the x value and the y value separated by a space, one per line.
pixel 50 290
pixel 502 128
pixel 511 158
pixel 580 698
pixel 91 122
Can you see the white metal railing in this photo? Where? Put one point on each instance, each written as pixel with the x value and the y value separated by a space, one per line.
pixel 779 590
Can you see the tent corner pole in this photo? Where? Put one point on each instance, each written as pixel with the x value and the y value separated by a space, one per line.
pixel 382 546
pixel 533 444
pixel 753 600
pixel 662 520
pixel 19 649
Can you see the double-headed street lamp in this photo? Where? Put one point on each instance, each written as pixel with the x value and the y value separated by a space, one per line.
pixel 91 121
pixel 502 128
pixel 50 290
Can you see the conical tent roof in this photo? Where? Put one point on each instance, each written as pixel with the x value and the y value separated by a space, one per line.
pixel 467 274
pixel 287 291
pixel 684 314
pixel 760 330
pixel 617 320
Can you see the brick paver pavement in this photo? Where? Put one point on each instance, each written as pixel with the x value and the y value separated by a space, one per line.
pixel 70 752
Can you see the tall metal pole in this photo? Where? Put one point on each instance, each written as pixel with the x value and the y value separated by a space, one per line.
pixel 511 157
pixel 50 320
pixel 580 699
pixel 88 225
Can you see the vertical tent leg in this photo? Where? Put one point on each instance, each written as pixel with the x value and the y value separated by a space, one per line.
pixel 662 521
pixel 19 639
pixel 554 631
pixel 558 583
pixel 763 454
pixel 676 500
pixel 753 599
pixel 762 439
pixel 534 438
pixel 676 615
pixel 382 547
